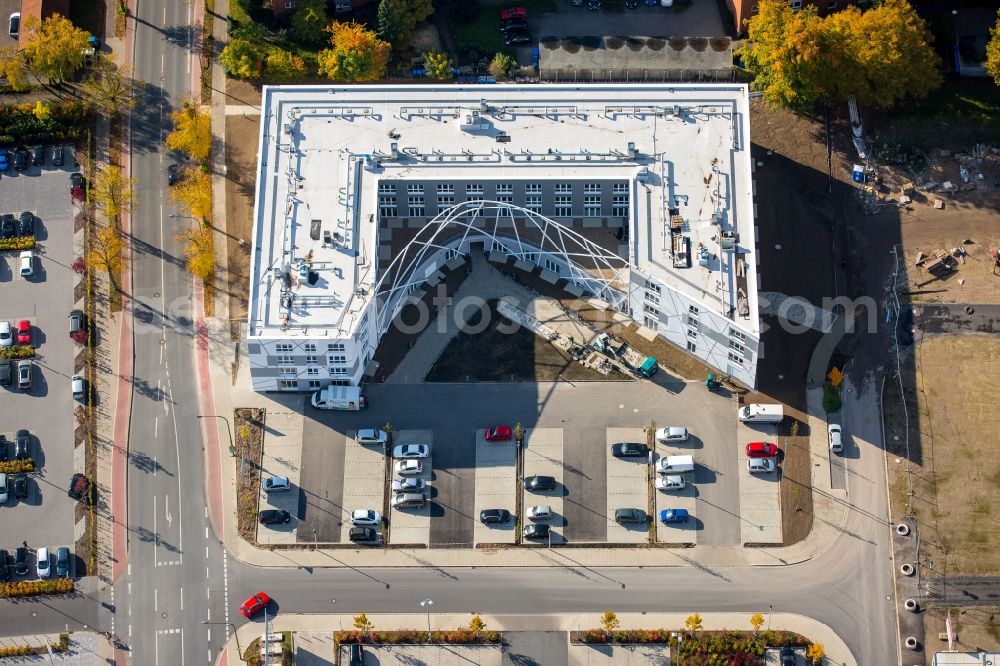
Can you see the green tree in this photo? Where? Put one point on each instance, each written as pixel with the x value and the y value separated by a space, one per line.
pixel 408 14
pixel 192 132
pixel 242 59
pixel 109 87
pixel 438 66
pixel 502 66
pixel 282 64
pixel 309 21
pixel 356 54
pixel 388 25
pixel 993 52
pixel 53 47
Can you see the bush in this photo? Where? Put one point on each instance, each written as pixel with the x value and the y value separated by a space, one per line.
pixel 831 398
pixel 64 121
pixel 33 588
pixel 17 243
pixel 17 466
pixel 62 645
pixel 17 352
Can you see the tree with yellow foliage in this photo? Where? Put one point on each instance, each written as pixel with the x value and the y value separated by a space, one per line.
pixel 194 192
pixel 41 111
pixel 192 132
pixel 53 48
pixel 357 54
pixel 13 68
pixel 107 253
pixel 756 621
pixel 693 622
pixel 993 52
pixel 815 653
pixel 199 250
pixel 111 193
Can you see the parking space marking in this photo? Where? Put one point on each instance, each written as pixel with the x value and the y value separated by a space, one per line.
pixel 364 482
pixel 496 487
pixel 282 446
pixel 628 487
pixel 543 456
pixel 677 499
pixel 413 525
pixel 760 494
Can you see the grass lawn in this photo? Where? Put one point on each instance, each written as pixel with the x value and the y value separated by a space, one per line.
pixel 481 33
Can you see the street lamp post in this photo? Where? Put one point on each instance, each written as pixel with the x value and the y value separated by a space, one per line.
pixel 239 650
pixel 770 608
pixel 232 445
pixel 426 605
pixel 680 639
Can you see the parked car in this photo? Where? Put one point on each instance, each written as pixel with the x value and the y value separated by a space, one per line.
pixel 650 3
pixel 629 450
pixel 500 433
pixel 487 516
pixel 26 224
pixel 666 3
pixel 357 655
pixel 408 485
pixel 19 483
pixel 513 24
pixel 6 336
pixel 274 517
pixel 25 369
pixel 787 656
pixel 254 604
pixel 366 517
pixel 593 4
pixel 371 436
pixel 834 435
pixel 3 447
pixel 24 332
pixel 79 487
pixel 7 227
pixel 76 179
pixel 75 187
pixel 43 563
pixel 760 465
pixel 276 484
pixel 6 373
pixel 14 24
pixel 513 13
pixel 174 174
pixel 409 468
pixel 537 483
pixel 670 482
pixel 515 37
pixel 21 561
pixel 77 326
pixel 22 445
pixel 27 263
pixel 57 155
pixel 535 531
pixel 411 451
pixel 761 449
pixel 20 158
pixel 4 493
pixel 669 516
pixel 4 164
pixel 540 512
pixel 4 565
pixel 363 535
pixel 62 562
pixel 408 501
pixel 672 434
pixel 631 4
pixel 37 155
pixel 630 516
pixel 78 384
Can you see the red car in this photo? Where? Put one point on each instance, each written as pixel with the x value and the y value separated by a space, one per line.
pixel 762 449
pixel 500 433
pixel 519 13
pixel 254 604
pixel 24 332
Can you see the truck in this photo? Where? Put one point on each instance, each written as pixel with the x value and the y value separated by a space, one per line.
pixel 348 398
pixel 758 413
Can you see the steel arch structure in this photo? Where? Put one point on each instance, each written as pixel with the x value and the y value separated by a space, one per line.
pixel 591 267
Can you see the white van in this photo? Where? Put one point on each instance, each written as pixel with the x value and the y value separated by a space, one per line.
pixel 675 464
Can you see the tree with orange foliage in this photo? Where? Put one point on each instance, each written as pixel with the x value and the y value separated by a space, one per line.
pixel 357 54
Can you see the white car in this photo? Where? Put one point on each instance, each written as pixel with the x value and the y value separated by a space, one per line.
pixel 760 465
pixel 411 451
pixel 276 484
pixel 3 488
pixel 670 482
pixel 43 567
pixel 409 468
pixel 541 512
pixel 6 339
pixel 27 263
pixel 834 434
pixel 366 517
pixel 371 436
pixel 672 434
pixel 410 485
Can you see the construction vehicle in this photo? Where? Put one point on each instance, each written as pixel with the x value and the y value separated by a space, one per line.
pixel 620 351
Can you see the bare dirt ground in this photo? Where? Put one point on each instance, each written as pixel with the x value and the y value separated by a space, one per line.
pixel 241 160
pixel 976 628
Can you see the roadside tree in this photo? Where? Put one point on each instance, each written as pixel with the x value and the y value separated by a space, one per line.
pixel 693 622
pixel 609 621
pixel 756 621
pixel 109 86
pixel 993 52
pixel 192 132
pixel 111 193
pixel 54 47
pixel 106 253
pixel 194 192
pixel 199 251
pixel 438 66
pixel 357 54
pixel 815 653
pixel 309 21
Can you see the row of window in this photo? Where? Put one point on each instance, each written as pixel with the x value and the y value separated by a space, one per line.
pixel 388 187
pixel 312 372
pixel 563 205
pixel 313 383
pixel 333 359
pixel 309 347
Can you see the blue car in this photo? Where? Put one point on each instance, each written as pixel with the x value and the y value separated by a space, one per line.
pixel 4 165
pixel 651 3
pixel 674 516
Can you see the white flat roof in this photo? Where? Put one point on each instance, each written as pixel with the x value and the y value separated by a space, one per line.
pixel 692 153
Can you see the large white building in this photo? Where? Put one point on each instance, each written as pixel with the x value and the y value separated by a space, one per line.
pixel 640 195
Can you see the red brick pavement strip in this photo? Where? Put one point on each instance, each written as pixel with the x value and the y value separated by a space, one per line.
pixel 210 426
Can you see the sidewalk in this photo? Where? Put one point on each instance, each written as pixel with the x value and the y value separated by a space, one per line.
pixel 837 652
pixel 86 648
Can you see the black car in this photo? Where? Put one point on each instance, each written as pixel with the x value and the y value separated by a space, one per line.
pixel 631 4
pixel 21 561
pixel 487 516
pixel 20 486
pixel 537 483
pixel 363 535
pixel 787 657
pixel 77 325
pixel 174 173
pixel 274 517
pixel 3 448
pixel 6 374
pixel 57 155
pixel 26 224
pixel 20 158
pixel 7 227
pixel 535 531
pixel 513 24
pixel 79 487
pixel 513 37
pixel 37 155
pixel 357 654
pixel 4 571
pixel 627 516
pixel 22 445
pixel 75 180
pixel 629 450
pixel 593 4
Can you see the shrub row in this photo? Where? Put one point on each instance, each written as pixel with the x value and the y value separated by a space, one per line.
pixel 736 648
pixel 17 243
pixel 17 466
pixel 34 588
pixel 61 122
pixel 62 645
pixel 409 636
pixel 17 351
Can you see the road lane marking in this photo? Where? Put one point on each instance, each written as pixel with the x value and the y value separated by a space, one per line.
pixel 156 536
pixel 166 509
pixel 156 428
pixel 177 449
pixel 182 598
pixel 156 601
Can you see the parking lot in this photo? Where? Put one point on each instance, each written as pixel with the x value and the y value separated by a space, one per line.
pixel 412 525
pixel 496 487
pixel 628 487
pixel 47 516
pixel 760 494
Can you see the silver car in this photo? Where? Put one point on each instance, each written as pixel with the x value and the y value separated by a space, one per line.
pixel 276 484
pixel 540 512
pixel 411 451
pixel 410 485
pixel 371 436
pixel 409 468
